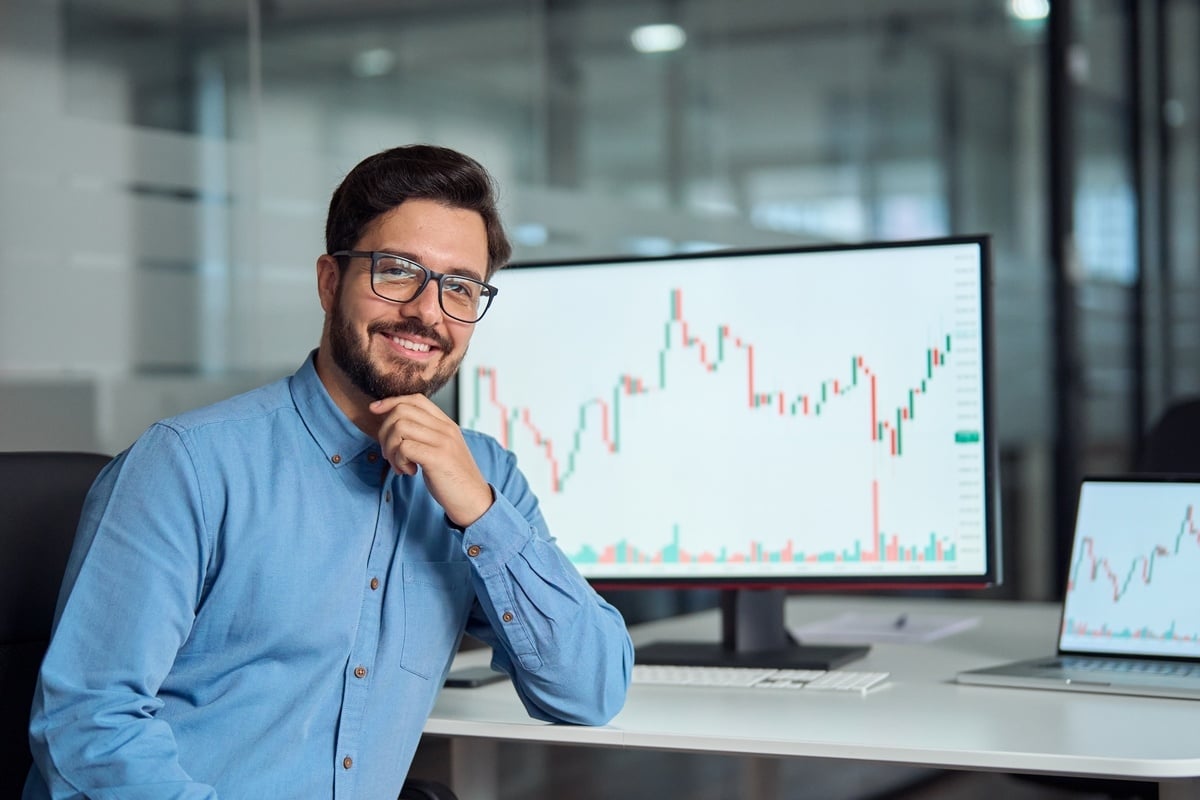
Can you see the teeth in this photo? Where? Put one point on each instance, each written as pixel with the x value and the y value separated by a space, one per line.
pixel 407 345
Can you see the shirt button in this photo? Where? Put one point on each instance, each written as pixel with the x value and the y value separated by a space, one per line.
pixel 347 762
pixel 360 672
pixel 474 550
pixel 507 616
pixel 372 457
pixel 336 459
pixel 387 496
pixel 374 584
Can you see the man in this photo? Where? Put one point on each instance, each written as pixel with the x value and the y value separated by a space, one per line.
pixel 265 594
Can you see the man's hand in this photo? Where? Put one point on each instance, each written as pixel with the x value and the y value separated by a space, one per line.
pixel 415 432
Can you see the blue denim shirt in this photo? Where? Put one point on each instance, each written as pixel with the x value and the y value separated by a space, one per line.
pixel 256 606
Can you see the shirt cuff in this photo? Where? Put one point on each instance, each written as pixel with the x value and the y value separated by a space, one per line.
pixel 495 538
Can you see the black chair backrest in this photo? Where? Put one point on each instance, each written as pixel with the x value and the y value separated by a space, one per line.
pixel 1173 442
pixel 419 789
pixel 41 495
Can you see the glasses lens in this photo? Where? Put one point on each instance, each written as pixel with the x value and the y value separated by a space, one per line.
pixel 464 298
pixel 397 279
pixel 401 280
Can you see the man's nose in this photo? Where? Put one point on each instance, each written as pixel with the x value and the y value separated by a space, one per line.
pixel 426 305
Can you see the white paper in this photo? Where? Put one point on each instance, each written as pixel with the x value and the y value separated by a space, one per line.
pixel 899 627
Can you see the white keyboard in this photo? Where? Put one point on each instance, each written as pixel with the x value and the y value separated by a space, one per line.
pixel 837 680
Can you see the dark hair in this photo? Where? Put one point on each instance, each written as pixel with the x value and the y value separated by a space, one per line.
pixel 379 183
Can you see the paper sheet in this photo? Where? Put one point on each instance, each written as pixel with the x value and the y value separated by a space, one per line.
pixel 898 627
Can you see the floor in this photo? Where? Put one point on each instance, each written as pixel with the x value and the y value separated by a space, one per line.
pixel 539 772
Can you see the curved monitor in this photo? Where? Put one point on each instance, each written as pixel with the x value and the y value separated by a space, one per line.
pixel 800 418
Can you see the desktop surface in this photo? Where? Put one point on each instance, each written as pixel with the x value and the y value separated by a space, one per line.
pixel 922 718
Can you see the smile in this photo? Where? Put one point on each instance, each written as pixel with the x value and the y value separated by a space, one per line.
pixel 407 344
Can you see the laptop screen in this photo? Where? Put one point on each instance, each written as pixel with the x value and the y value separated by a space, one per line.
pixel 1135 569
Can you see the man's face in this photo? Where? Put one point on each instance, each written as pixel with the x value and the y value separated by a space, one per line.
pixel 386 349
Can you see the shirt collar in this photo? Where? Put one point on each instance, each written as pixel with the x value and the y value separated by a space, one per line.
pixel 338 437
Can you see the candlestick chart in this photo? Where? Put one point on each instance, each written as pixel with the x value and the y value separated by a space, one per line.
pixel 744 419
pixel 1133 570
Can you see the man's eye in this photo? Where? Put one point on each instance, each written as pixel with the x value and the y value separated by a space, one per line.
pixel 461 288
pixel 397 272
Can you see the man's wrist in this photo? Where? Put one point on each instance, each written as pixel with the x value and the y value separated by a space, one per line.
pixel 460 521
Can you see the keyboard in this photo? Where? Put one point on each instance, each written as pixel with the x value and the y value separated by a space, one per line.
pixel 838 680
pixel 1093 664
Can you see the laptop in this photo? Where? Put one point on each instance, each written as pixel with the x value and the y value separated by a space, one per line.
pixel 1130 618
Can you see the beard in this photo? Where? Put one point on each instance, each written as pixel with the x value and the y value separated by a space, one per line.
pixel 405 377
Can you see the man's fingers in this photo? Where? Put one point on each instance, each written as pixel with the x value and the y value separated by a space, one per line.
pixel 398 460
pixel 385 405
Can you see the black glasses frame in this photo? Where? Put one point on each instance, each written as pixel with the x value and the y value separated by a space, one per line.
pixel 489 292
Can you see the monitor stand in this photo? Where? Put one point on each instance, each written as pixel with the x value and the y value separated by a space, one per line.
pixel 753 634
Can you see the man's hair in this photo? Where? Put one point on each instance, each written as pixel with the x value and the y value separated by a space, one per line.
pixel 379 183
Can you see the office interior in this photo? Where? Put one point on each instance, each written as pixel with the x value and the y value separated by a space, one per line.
pixel 165 168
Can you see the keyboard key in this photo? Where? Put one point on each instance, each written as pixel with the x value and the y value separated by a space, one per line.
pixel 846 681
pixel 666 675
pixel 789 678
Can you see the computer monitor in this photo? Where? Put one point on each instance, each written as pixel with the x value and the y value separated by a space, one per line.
pixel 757 421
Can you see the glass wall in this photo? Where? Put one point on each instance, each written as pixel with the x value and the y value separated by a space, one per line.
pixel 1106 226
pixel 165 169
pixel 1180 218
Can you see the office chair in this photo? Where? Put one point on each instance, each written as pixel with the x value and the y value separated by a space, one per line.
pixel 419 789
pixel 41 495
pixel 1172 444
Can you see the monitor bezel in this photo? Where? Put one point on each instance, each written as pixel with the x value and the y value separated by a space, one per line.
pixel 993 574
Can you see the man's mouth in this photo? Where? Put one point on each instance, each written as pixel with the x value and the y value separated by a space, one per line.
pixel 411 350
pixel 409 344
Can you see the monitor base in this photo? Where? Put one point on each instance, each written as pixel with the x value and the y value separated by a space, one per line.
pixel 699 654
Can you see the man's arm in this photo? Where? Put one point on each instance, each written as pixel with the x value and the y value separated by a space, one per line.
pixel 126 606
pixel 566 649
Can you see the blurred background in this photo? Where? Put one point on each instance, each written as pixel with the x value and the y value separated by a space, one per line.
pixel 165 168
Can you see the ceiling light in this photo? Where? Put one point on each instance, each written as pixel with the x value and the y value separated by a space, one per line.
pixel 1029 9
pixel 657 38
pixel 373 63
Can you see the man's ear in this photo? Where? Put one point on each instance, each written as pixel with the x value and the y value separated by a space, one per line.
pixel 329 274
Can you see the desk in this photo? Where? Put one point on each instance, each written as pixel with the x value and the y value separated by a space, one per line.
pixel 922 719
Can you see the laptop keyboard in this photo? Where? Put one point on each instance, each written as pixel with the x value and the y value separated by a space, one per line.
pixel 1127 666
pixel 759 678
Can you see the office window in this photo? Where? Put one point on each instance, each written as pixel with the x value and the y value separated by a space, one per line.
pixel 1105 228
pixel 1181 214
pixel 187 152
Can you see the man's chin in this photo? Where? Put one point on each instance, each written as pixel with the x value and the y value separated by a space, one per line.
pixel 399 388
pixel 397 385
pixel 391 375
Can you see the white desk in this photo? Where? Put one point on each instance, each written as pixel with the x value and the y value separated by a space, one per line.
pixel 922 719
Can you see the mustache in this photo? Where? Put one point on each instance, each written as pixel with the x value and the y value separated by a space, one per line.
pixel 411 327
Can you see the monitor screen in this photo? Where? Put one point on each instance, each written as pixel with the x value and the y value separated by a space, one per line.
pixel 810 417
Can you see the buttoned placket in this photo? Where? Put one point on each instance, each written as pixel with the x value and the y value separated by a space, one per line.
pixel 357 678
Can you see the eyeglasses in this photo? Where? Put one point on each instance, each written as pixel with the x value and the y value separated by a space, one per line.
pixel 400 280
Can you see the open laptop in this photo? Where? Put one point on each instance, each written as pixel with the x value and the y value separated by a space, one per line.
pixel 1130 618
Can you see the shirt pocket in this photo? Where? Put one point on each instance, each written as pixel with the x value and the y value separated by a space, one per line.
pixel 437 599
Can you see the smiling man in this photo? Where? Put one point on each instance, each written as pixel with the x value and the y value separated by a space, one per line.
pixel 265 594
